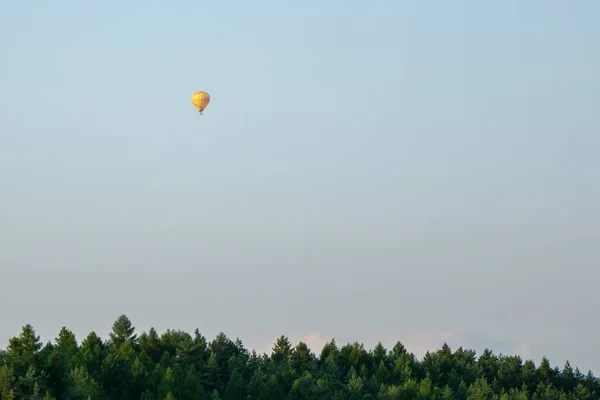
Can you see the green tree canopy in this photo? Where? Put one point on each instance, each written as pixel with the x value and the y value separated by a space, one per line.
pixel 177 365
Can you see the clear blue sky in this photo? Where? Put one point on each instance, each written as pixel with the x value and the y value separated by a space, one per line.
pixel 396 170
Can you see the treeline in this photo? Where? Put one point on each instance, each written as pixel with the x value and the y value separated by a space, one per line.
pixel 179 366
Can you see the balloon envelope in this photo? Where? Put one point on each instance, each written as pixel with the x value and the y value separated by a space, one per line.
pixel 200 100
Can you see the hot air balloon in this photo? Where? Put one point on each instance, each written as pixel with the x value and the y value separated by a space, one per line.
pixel 200 100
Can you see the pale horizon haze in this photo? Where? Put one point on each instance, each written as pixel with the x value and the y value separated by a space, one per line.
pixel 423 172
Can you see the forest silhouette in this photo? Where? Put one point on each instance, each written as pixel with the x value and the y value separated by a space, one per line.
pixel 177 365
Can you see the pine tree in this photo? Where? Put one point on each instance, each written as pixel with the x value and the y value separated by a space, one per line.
pixel 122 331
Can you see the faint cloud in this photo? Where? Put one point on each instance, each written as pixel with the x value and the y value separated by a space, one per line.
pixel 416 342
pixel 264 346
pixel 315 342
pixel 524 350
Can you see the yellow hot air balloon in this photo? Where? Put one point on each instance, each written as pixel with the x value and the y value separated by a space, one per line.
pixel 200 100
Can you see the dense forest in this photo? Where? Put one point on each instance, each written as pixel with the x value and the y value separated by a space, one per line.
pixel 179 366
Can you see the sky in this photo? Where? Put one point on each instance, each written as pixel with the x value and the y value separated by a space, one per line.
pixel 423 172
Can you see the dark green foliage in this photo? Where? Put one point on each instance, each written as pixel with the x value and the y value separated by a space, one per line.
pixel 180 366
